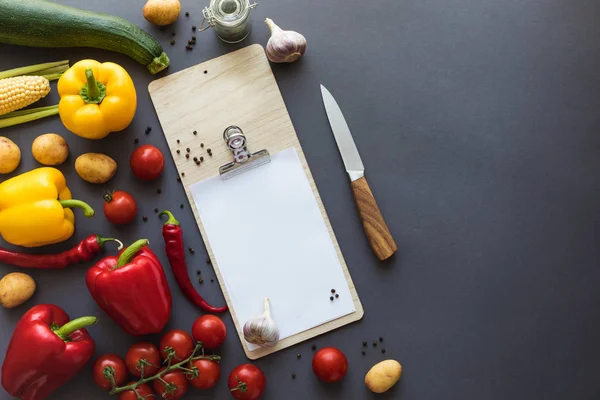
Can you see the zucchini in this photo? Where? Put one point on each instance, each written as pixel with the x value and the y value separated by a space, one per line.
pixel 41 23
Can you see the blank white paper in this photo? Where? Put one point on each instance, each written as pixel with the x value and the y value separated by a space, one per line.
pixel 269 239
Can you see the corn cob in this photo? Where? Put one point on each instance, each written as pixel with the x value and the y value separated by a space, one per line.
pixel 21 91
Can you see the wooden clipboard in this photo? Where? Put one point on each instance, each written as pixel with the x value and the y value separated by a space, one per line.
pixel 237 88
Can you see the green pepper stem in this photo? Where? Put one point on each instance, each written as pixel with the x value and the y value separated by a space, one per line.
pixel 67 329
pixel 93 92
pixel 130 252
pixel 72 203
pixel 171 220
pixel 101 240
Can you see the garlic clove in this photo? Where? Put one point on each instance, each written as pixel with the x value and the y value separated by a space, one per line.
pixel 262 330
pixel 284 46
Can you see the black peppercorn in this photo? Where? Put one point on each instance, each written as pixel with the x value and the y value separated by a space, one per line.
pixel 212 280
pixel 181 206
pixel 194 38
pixel 178 141
pixel 337 296
pixel 331 298
pixel 195 158
pixel 172 42
pixel 187 156
pixel 197 162
pixel 205 72
pixel 136 140
pixel 299 355
pixel 188 149
pixel 364 344
pixel 208 260
pixel 178 151
pixel 190 42
pixel 187 14
pixel 145 218
pixel 314 347
pixel 183 174
pixel 332 290
pixel 147 132
pixel 374 343
pixel 192 250
pixel 201 280
pixel 156 211
pixel 195 132
pixel 380 339
pixel 382 351
pixel 158 191
pixel 188 47
pixel 194 27
pixel 198 271
pixel 209 150
pixel 363 352
pixel 201 159
pixel 293 375
pixel 201 144
pixel 148 128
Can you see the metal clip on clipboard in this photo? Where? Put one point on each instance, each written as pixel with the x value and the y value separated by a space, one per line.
pixel 243 160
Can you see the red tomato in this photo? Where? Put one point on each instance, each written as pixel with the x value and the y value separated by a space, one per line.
pixel 146 351
pixel 330 364
pixel 210 372
pixel 147 162
pixel 248 377
pixel 143 390
pixel 210 330
pixel 178 340
pixel 109 361
pixel 178 379
pixel 119 207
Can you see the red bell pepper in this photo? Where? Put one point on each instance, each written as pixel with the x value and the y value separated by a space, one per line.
pixel 132 289
pixel 45 351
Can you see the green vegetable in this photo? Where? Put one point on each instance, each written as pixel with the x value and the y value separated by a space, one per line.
pixel 41 23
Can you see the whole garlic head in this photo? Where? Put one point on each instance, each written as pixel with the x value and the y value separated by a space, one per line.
pixel 284 46
pixel 262 330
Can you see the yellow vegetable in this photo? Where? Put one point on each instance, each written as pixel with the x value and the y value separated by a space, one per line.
pixel 21 91
pixel 50 149
pixel 383 376
pixel 162 12
pixel 10 155
pixel 15 289
pixel 95 167
pixel 96 99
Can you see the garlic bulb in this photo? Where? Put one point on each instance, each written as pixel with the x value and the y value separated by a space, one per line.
pixel 284 46
pixel 262 330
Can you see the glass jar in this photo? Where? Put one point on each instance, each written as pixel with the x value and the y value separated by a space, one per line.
pixel 230 18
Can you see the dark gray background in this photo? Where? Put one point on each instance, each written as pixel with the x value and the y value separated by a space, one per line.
pixel 478 123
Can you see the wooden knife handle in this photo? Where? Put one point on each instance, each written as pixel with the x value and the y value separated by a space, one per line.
pixel 375 227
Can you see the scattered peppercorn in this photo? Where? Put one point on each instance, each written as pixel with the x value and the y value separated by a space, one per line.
pixel 380 339
pixel 187 156
pixel 206 72
pixel 374 343
pixel 183 174
pixel 208 260
pixel 331 298
pixel 363 352
pixel 136 140
pixel 148 128
pixel 181 205
pixel 158 191
pixel 364 344
pixel 192 250
pixel 188 47
pixel 201 280
pixel 194 28
pixel 190 42
pixel 156 210
pixel 202 145
pixel 337 296
pixel 188 149
pixel 172 42
pixel 178 151
pixel 145 218
pixel 195 158
pixel 195 132
pixel 178 141
pixel 187 14
pixel 147 132
pixel 332 290
pixel 299 355
pixel 198 271
pixel 293 375
pixel 212 280
pixel 201 159
pixel 197 162
pixel 382 351
pixel 194 38
pixel 314 347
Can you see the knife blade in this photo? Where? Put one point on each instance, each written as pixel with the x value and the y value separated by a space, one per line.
pixel 375 227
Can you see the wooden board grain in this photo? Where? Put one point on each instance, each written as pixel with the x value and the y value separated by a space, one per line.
pixel 235 89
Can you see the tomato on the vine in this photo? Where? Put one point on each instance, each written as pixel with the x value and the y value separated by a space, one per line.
pixel 143 351
pixel 147 162
pixel 247 382
pixel 209 374
pixel 143 390
pixel 119 207
pixel 210 330
pixel 109 361
pixel 180 341
pixel 175 378
pixel 330 364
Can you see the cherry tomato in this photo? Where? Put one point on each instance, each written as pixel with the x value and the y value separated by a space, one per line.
pixel 112 361
pixel 210 330
pixel 251 378
pixel 146 351
pixel 178 379
pixel 330 364
pixel 119 207
pixel 178 340
pixel 143 390
pixel 147 162
pixel 210 372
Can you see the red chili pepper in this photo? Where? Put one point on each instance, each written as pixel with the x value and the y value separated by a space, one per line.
pixel 45 351
pixel 173 236
pixel 84 251
pixel 132 289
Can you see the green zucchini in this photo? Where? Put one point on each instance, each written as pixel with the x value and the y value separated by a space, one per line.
pixel 41 23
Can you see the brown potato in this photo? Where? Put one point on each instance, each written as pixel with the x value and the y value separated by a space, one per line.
pixel 10 155
pixel 162 12
pixel 15 289
pixel 95 167
pixel 50 149
pixel 383 376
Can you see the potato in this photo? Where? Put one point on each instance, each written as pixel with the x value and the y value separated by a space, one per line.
pixel 383 376
pixel 50 149
pixel 10 155
pixel 162 12
pixel 15 289
pixel 95 167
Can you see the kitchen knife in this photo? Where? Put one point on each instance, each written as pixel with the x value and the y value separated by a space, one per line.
pixel 375 227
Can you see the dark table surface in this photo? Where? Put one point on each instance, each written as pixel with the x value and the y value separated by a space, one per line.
pixel 478 122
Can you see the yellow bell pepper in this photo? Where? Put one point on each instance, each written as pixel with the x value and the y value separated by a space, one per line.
pixel 34 208
pixel 96 99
